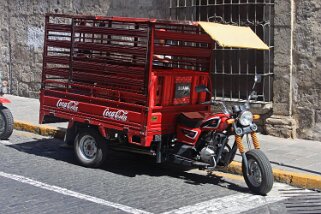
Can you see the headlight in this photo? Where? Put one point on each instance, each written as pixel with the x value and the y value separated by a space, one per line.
pixel 246 118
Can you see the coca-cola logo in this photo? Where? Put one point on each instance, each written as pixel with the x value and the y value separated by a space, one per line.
pixel 70 106
pixel 116 115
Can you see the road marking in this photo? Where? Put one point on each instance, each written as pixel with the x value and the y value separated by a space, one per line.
pixel 5 142
pixel 67 192
pixel 236 203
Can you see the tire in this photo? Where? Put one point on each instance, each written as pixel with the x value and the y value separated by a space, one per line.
pixel 90 148
pixel 6 123
pixel 260 180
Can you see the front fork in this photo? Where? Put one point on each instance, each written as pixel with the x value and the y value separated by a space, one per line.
pixel 240 146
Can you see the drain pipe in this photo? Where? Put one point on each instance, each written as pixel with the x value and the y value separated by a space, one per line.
pixel 291 58
pixel 0 82
pixel 10 49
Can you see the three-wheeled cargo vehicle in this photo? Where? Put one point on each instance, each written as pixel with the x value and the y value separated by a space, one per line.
pixel 143 85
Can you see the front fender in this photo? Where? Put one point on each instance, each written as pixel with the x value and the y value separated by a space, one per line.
pixel 4 100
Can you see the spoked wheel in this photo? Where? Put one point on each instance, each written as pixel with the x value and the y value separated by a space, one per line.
pixel 90 148
pixel 260 177
pixel 6 123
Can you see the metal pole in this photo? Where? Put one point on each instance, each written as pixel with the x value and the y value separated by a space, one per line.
pixel 10 49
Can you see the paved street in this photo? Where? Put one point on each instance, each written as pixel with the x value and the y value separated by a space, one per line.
pixel 38 175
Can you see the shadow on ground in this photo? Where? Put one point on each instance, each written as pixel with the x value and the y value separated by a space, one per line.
pixel 126 164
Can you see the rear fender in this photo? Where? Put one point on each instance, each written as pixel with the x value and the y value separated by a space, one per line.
pixel 4 100
pixel 77 127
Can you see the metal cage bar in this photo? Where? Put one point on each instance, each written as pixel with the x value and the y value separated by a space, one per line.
pixel 234 69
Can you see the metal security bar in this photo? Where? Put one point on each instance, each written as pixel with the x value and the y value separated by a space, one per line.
pixel 234 69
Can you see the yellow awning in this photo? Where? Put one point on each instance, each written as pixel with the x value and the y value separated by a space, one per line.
pixel 233 36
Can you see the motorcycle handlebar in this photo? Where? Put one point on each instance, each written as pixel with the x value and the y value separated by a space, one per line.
pixel 212 102
pixel 208 103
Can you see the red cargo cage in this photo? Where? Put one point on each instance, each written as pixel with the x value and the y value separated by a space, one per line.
pixel 123 75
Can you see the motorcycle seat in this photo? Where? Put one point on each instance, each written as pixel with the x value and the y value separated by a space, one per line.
pixel 190 119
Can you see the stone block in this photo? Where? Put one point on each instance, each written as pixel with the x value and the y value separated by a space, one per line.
pixel 23 90
pixel 281 126
pixel 305 117
pixel 26 77
pixel 282 46
pixel 306 134
pixel 38 57
pixel 279 131
pixel 318 116
pixel 281 91
pixel 282 73
pixel 145 8
pixel 283 121
pixel 37 77
pixel 34 94
pixel 5 56
pixel 261 109
pixel 282 10
pixel 281 109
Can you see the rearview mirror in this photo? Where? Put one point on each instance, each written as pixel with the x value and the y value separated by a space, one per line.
pixel 201 88
pixel 254 95
pixel 258 78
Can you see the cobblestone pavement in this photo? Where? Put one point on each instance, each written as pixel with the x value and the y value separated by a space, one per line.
pixel 38 175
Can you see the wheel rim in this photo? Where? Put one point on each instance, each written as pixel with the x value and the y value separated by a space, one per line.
pixel 2 124
pixel 255 174
pixel 88 147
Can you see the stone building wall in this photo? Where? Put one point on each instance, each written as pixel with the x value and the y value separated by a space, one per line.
pixel 22 31
pixel 282 123
pixel 297 70
pixel 307 75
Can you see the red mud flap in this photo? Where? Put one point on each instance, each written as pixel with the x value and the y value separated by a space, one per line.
pixel 4 100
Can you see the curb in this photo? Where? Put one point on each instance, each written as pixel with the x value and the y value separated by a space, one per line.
pixel 297 179
pixel 40 129
pixel 292 178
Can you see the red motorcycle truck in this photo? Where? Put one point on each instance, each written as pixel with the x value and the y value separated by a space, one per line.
pixel 143 85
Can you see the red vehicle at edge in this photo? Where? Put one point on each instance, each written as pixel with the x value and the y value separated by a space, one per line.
pixel 6 119
pixel 141 85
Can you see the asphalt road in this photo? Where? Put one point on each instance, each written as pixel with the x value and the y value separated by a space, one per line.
pixel 39 175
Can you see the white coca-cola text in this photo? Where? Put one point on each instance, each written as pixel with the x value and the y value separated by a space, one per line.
pixel 116 115
pixel 70 106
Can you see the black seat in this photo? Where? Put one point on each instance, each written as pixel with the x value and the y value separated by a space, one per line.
pixel 190 119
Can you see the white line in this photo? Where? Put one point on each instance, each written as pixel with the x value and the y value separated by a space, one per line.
pixel 5 142
pixel 236 203
pixel 72 193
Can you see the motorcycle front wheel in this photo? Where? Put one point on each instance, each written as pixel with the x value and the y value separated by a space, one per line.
pixel 259 178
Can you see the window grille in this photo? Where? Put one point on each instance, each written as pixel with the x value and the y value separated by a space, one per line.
pixel 234 69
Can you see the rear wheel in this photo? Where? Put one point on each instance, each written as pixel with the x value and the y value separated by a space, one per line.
pixel 260 177
pixel 6 123
pixel 90 148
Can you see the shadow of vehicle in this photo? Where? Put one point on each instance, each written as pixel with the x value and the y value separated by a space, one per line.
pixel 122 163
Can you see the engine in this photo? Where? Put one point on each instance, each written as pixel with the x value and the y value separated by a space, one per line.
pixel 209 148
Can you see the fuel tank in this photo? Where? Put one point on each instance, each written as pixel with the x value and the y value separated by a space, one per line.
pixel 190 125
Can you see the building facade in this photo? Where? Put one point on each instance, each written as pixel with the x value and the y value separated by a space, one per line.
pixel 291 88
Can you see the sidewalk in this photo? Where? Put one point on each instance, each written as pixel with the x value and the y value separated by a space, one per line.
pixel 297 162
